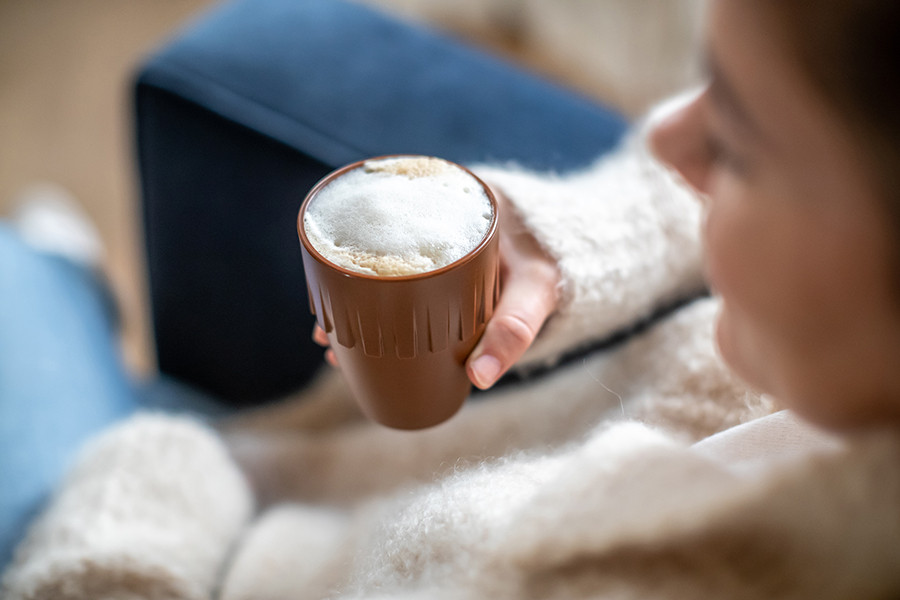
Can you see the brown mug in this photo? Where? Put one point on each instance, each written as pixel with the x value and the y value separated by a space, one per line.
pixel 402 342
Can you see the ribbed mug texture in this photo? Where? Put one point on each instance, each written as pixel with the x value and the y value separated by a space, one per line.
pixel 402 342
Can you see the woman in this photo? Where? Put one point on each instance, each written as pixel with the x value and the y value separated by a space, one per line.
pixel 794 158
pixel 792 148
pixel 794 152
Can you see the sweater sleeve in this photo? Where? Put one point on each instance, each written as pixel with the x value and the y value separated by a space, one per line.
pixel 149 510
pixel 624 233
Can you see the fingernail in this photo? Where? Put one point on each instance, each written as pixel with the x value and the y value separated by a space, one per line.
pixel 485 369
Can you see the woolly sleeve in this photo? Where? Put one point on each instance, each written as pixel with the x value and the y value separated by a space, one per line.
pixel 624 233
pixel 149 510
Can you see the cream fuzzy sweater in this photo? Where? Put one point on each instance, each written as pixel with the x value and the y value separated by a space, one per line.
pixel 639 470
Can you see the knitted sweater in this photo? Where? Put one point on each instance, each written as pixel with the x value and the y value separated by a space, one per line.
pixel 638 469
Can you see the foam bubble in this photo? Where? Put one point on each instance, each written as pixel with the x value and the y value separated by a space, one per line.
pixel 399 216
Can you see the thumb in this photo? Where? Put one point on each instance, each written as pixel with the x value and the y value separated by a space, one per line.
pixel 524 306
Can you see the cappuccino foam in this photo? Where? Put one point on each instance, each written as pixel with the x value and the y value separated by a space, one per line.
pixel 399 216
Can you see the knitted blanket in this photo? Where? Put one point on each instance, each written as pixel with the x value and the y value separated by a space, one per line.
pixel 627 462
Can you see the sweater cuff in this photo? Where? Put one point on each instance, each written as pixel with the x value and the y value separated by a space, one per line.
pixel 149 511
pixel 624 232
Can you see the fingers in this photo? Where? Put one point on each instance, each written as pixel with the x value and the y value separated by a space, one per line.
pixel 527 300
pixel 529 295
pixel 321 338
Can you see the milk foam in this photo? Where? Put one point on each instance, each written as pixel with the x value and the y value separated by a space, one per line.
pixel 399 216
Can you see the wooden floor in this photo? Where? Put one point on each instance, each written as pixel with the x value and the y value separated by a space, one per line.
pixel 65 68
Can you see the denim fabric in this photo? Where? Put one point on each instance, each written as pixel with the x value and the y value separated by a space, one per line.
pixel 61 378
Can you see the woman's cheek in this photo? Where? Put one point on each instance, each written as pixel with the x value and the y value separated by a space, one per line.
pixel 713 248
pixel 729 272
pixel 732 229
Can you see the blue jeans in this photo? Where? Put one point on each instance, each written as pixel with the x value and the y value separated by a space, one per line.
pixel 61 377
pixel 236 119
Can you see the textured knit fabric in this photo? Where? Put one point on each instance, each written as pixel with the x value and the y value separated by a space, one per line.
pixel 644 470
pixel 150 511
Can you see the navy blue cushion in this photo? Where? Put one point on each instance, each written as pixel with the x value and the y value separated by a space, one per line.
pixel 340 82
pixel 243 111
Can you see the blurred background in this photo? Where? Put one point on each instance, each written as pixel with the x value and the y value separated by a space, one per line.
pixel 65 91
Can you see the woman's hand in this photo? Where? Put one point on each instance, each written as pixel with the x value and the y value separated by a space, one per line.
pixel 321 338
pixel 529 293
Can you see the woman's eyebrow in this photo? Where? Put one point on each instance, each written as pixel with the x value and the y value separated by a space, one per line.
pixel 726 99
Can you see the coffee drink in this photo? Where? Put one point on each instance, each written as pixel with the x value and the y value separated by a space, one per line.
pixel 399 216
pixel 402 263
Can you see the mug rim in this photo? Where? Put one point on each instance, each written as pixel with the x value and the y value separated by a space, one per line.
pixel 469 256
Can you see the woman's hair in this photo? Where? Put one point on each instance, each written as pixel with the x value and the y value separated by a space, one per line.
pixel 851 51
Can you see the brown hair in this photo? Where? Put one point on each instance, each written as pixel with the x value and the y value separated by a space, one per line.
pixel 851 51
